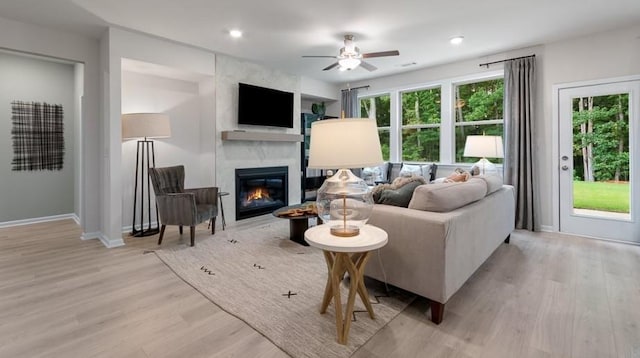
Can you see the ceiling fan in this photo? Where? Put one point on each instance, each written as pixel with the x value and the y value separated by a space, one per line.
pixel 350 57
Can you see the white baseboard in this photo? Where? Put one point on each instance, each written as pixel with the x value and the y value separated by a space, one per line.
pixel 110 243
pixel 90 235
pixel 546 228
pixel 38 220
pixel 75 218
pixel 127 229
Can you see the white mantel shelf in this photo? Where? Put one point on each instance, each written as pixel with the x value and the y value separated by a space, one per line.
pixel 262 136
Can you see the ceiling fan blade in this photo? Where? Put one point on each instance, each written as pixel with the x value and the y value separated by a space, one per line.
pixel 330 66
pixel 381 54
pixel 367 66
pixel 319 56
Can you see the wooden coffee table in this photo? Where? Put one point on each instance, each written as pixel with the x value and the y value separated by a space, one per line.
pixel 297 224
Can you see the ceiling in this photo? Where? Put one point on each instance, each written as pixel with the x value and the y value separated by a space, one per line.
pixel 278 32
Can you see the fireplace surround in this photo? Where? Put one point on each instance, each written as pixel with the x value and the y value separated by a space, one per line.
pixel 260 190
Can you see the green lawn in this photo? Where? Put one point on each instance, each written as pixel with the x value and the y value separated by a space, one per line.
pixel 603 196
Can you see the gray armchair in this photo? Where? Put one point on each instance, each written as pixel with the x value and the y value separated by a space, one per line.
pixel 180 206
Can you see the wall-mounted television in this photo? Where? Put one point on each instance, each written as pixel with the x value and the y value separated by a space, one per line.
pixel 262 106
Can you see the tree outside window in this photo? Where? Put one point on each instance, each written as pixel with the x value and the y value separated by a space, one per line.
pixel 379 108
pixel 478 109
pixel 421 125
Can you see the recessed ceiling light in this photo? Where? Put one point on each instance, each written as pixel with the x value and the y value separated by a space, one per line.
pixel 235 33
pixel 456 40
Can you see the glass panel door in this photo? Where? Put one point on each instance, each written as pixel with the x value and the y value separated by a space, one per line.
pixel 597 178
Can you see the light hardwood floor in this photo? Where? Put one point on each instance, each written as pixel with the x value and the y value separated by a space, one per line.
pixel 543 295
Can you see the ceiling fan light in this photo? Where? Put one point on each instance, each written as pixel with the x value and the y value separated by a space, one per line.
pixel 456 40
pixel 349 63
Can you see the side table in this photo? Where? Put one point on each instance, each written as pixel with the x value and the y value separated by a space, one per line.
pixel 346 254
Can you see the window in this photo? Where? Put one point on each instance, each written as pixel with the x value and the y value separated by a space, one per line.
pixel 379 108
pixel 421 125
pixel 478 109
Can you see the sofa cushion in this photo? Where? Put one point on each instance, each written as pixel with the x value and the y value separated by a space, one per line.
pixel 444 197
pixel 494 182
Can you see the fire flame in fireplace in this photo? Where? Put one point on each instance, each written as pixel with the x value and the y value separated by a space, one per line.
pixel 257 195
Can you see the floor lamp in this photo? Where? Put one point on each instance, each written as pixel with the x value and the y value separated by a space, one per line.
pixel 146 126
pixel 484 146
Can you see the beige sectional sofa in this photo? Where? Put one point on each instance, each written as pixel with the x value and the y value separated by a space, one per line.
pixel 432 253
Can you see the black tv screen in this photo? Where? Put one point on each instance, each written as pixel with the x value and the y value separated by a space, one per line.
pixel 264 106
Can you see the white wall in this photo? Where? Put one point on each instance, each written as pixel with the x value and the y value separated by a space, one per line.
pixel 38 193
pixel 182 101
pixel 116 45
pixel 604 55
pixel 19 36
pixel 231 155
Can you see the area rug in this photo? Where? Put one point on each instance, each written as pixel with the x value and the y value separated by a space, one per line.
pixel 276 286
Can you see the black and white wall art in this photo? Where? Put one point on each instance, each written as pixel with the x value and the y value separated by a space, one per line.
pixel 38 136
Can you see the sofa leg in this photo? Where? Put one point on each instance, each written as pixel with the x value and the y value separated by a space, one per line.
pixel 437 312
pixel 180 229
pixel 213 225
pixel 192 231
pixel 506 241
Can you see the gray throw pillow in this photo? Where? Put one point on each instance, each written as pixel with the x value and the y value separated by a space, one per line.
pixel 397 197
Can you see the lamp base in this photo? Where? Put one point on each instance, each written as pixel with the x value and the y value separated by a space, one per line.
pixel 345 231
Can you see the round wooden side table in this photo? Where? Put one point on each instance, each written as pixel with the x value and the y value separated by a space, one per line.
pixel 346 254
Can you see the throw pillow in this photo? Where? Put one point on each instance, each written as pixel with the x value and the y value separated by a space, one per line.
pixel 398 193
pixel 429 171
pixel 371 175
pixel 410 169
pixel 458 175
pixel 398 197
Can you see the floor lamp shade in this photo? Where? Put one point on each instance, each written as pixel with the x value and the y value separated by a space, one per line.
pixel 344 201
pixel 484 146
pixel 144 125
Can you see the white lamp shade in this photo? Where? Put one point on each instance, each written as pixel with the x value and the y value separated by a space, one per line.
pixel 145 125
pixel 344 143
pixel 483 146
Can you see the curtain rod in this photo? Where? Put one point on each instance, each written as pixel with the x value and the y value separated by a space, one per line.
pixel 505 60
pixel 349 89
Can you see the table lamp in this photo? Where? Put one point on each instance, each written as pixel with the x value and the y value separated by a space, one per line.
pixel 344 201
pixel 484 146
pixel 144 125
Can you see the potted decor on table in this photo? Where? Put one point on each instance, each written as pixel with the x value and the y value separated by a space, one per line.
pixel 319 109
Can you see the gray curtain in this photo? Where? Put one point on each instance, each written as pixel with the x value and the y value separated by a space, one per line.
pixel 350 103
pixel 519 121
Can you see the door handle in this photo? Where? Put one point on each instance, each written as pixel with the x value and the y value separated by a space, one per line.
pixel 564 167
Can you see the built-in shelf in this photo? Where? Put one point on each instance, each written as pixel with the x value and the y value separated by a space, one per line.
pixel 262 136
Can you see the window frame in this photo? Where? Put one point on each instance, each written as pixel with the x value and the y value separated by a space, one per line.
pixel 447 114
pixel 417 126
pixel 471 123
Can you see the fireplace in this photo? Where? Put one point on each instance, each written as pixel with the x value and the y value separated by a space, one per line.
pixel 260 191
